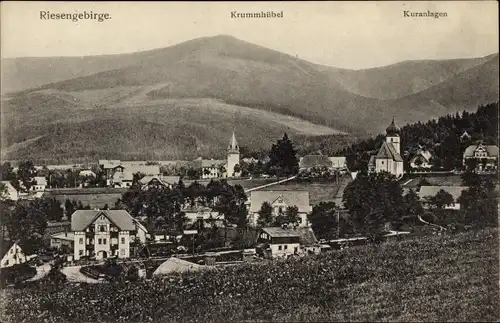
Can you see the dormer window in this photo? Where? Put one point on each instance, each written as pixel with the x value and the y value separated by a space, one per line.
pixel 102 228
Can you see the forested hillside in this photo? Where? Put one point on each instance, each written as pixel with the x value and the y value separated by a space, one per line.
pixel 441 137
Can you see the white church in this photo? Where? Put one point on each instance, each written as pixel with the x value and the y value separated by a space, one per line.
pixel 389 158
pixel 211 168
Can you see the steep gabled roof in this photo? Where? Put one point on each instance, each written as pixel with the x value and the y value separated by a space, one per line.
pixel 492 150
pixel 81 219
pixel 387 151
pixel 5 246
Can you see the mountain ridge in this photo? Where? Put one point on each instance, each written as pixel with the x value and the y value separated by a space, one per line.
pixel 213 79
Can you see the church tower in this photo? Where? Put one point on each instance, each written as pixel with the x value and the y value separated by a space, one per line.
pixel 392 136
pixel 233 157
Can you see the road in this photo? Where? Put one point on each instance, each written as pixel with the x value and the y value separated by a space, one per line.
pixel 41 271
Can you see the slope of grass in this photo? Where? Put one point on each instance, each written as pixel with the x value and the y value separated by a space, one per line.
pixel 437 278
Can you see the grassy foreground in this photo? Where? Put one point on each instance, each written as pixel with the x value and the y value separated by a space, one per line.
pixel 431 278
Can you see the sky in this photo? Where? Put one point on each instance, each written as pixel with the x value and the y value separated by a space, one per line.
pixel 352 35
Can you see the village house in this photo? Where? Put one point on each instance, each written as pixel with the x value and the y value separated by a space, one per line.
pixel 205 214
pixel 11 254
pixel 279 201
pixel 465 136
pixel 485 156
pixel 427 192
pixel 280 242
pixel 123 176
pixel 388 158
pixel 86 173
pixel 105 233
pixel 421 160
pixel 10 192
pixel 339 163
pixel 157 181
pixel 58 240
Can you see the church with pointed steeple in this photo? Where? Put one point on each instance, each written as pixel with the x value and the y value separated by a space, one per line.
pixel 233 158
pixel 389 158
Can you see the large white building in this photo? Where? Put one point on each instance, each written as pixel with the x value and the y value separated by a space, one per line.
pixel 104 233
pixel 389 158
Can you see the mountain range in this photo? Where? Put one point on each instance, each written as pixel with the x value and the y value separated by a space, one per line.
pixel 184 101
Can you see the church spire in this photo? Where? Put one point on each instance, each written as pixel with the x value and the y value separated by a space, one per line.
pixel 233 144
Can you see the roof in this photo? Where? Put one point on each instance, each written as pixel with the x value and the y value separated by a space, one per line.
pixel 207 163
pixel 492 150
pixel 424 153
pixel 165 180
pixel 310 161
pixel 176 265
pixel 81 219
pixel 387 151
pixel 233 144
pixel 40 180
pixel 306 235
pixel 392 129
pixel 428 191
pixel 278 232
pixel 149 170
pixel 86 172
pixel 290 198
pixel 109 163
pixel 5 246
pixel 69 236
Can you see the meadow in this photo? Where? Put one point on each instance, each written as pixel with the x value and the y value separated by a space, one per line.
pixel 433 278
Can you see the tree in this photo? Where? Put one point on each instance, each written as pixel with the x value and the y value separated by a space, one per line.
pixel 25 174
pixel 283 159
pixel 292 215
pixel 4 193
pixel 237 169
pixel 323 220
pixel 471 164
pixel 27 225
pixel 265 215
pixel 441 199
pixel 69 207
pixel 373 200
pixel 479 203
pixel 413 205
pixel 7 172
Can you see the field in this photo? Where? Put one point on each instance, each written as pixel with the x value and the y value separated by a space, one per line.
pixel 449 180
pixel 432 278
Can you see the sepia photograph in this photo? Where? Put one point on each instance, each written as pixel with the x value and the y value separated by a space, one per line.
pixel 253 161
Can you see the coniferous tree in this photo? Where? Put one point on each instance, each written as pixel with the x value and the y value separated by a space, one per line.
pixel 283 159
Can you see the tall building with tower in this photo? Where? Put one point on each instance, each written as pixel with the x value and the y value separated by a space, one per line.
pixel 233 157
pixel 389 158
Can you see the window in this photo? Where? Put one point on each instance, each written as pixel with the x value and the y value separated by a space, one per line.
pixel 279 247
pixel 103 241
pixel 122 252
pixel 80 241
pixel 80 252
pixel 7 262
pixel 102 228
pixel 382 162
pixel 99 241
pixel 285 247
pixel 123 240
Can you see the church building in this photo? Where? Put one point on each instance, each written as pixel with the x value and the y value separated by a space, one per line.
pixel 389 158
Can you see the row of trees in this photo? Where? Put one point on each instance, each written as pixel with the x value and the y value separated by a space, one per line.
pixel 163 206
